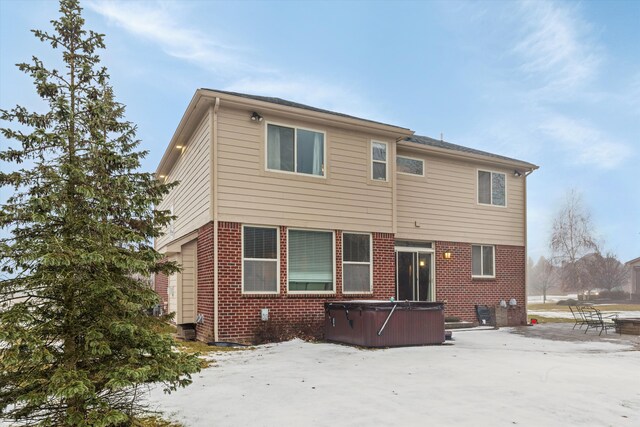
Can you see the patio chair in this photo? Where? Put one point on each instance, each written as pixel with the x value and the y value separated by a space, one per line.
pixel 596 320
pixel 578 317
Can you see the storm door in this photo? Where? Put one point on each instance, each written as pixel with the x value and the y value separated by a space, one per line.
pixel 414 275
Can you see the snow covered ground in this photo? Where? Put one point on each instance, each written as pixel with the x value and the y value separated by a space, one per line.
pixel 484 378
pixel 567 315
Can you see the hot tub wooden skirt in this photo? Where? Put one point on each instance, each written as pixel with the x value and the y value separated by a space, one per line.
pixel 384 323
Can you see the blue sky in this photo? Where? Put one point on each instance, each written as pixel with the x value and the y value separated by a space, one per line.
pixel 553 83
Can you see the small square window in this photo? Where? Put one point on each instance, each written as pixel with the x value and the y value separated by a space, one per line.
pixel 482 261
pixel 492 188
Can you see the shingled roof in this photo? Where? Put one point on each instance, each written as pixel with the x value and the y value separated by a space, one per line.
pixel 424 140
pixel 284 102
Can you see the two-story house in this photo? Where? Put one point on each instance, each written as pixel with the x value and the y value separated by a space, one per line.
pixel 283 206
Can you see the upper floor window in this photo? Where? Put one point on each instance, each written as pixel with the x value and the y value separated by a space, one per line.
pixel 492 188
pixel 483 261
pixel 379 161
pixel 295 150
pixel 410 165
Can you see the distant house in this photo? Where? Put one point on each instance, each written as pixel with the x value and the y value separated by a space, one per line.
pixel 283 206
pixel 634 267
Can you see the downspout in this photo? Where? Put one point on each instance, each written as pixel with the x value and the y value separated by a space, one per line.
pixel 214 200
pixel 526 248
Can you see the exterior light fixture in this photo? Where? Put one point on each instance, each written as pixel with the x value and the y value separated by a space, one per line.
pixel 447 255
pixel 256 117
pixel 162 176
pixel 179 147
pixel 517 173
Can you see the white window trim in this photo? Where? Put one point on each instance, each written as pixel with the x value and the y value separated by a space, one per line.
pixel 478 189
pixel 410 158
pixel 333 258
pixel 277 291
pixel 386 162
pixel 493 276
pixel 370 263
pixel 295 148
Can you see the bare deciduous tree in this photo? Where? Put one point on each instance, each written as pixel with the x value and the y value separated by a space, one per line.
pixel 571 238
pixel 605 272
pixel 544 276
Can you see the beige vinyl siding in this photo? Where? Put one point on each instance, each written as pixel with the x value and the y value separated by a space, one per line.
pixel 344 199
pixel 191 198
pixel 187 291
pixel 444 203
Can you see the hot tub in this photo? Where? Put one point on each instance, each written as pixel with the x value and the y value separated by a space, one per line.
pixel 384 323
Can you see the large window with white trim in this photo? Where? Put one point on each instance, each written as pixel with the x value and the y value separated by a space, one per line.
pixel 356 263
pixel 295 150
pixel 311 259
pixel 259 259
pixel 483 261
pixel 379 161
pixel 492 188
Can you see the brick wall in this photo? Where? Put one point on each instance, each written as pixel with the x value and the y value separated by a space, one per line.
pixel 239 315
pixel 204 288
pixel 455 285
pixel 161 287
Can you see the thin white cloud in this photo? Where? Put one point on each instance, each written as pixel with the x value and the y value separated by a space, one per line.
pixel 555 46
pixel 158 23
pixel 584 144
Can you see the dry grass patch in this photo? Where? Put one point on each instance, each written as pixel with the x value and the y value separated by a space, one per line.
pixel 154 421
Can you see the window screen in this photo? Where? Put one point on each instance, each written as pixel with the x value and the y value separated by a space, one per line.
pixel 356 262
pixel 260 259
pixel 482 258
pixel 492 188
pixel 310 260
pixel 379 161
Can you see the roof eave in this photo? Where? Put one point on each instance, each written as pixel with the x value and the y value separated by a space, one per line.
pixel 381 128
pixel 461 155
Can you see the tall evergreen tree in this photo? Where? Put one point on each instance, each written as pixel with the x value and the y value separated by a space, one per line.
pixel 76 347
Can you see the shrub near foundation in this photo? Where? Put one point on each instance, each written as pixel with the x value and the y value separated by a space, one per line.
pixel 287 329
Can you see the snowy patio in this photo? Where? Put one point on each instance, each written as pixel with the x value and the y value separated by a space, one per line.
pixel 485 377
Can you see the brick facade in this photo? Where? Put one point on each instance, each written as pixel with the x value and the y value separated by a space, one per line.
pixel 204 287
pixel 161 286
pixel 455 285
pixel 239 315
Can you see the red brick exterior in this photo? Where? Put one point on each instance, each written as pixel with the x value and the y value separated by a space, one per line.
pixel 461 292
pixel 204 288
pixel 162 289
pixel 239 315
